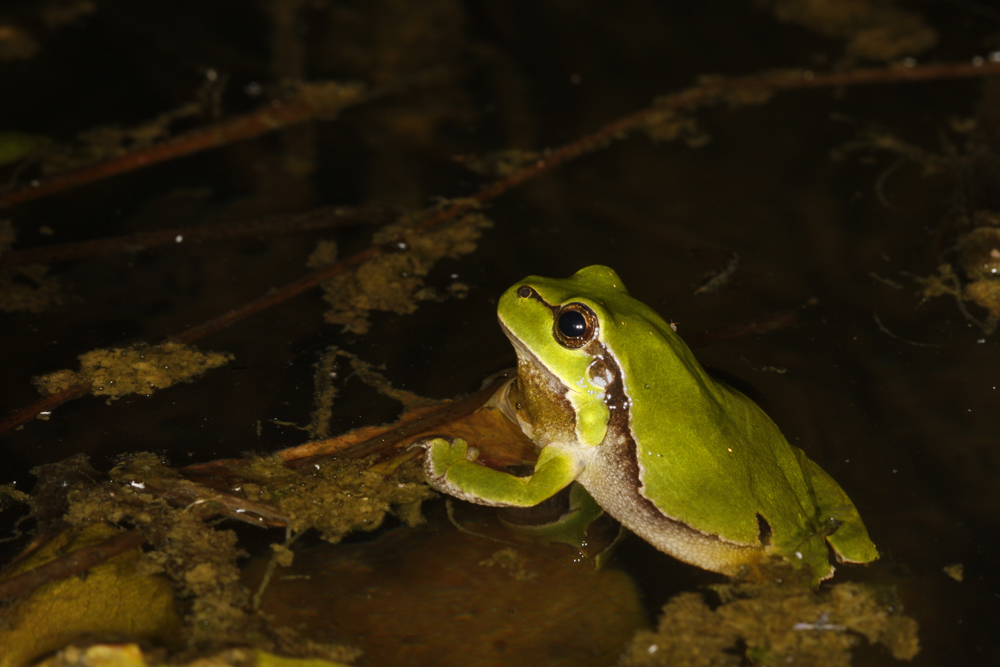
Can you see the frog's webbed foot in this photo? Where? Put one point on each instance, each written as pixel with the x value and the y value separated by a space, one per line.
pixel 442 455
pixel 444 463
pixel 845 531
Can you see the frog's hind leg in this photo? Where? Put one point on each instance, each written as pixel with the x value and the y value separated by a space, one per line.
pixel 848 535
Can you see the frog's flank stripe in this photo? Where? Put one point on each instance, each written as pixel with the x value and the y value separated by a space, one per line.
pixel 620 437
pixel 620 429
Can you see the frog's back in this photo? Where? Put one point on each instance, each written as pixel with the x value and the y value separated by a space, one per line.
pixel 706 455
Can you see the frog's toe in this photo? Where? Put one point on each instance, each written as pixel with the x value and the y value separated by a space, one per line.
pixel 443 453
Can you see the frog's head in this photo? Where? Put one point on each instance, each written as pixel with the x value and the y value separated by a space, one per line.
pixel 569 335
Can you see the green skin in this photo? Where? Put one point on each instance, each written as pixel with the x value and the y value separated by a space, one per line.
pixel 621 406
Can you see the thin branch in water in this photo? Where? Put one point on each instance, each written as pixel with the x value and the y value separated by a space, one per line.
pixel 272 564
pixel 885 330
pixel 320 218
pixel 43 406
pixel 713 92
pixel 884 281
pixel 881 181
pixel 281 294
pixel 275 115
pixel 211 502
pixel 310 101
pixel 710 92
pixel 759 325
pixel 718 280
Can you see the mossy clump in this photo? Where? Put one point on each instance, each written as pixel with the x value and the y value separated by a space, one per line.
pixel 872 29
pixel 138 369
pixel 783 621
pixel 336 497
pixel 199 560
pixel 394 282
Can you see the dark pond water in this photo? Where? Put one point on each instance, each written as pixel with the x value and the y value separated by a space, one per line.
pixel 895 395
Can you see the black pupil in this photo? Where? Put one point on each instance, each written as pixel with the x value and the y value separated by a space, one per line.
pixel 572 324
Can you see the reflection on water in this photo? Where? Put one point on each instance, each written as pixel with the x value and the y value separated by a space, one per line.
pixel 435 595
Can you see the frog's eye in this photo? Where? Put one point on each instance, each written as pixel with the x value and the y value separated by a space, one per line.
pixel 575 325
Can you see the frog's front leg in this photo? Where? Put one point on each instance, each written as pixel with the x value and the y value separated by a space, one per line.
pixel 451 469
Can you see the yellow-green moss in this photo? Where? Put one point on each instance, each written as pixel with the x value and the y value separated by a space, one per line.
pixel 336 497
pixel 783 621
pixel 139 369
pixel 394 282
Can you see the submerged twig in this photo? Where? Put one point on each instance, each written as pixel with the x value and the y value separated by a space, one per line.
pixel 310 101
pixel 42 406
pixel 760 325
pixel 281 294
pixel 211 502
pixel 884 329
pixel 738 90
pixel 280 556
pixel 718 90
pixel 275 115
pixel 320 218
pixel 718 279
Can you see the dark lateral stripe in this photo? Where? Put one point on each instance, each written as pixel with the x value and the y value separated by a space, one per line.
pixel 620 431
pixel 619 422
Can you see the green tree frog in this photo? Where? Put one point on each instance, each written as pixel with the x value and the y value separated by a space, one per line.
pixel 616 401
